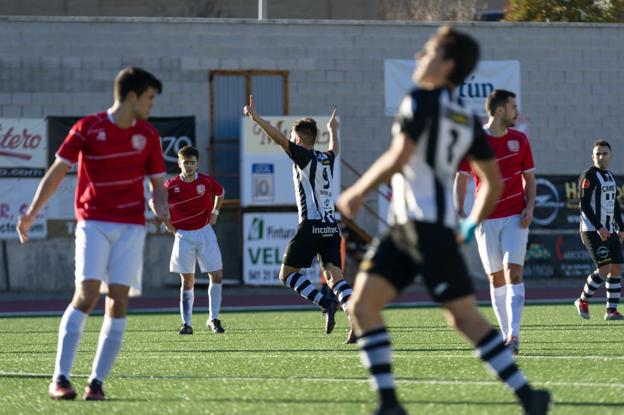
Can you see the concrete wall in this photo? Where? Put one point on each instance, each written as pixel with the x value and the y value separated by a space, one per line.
pixel 572 86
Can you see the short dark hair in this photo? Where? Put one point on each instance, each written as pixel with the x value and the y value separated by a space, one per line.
pixel 137 80
pixel 497 98
pixel 306 129
pixel 188 151
pixel 462 49
pixel 601 143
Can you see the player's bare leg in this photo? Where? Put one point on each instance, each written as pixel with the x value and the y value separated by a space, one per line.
pixel 109 343
pixel 187 298
pixel 371 293
pixel 463 315
pixel 71 326
pixel 215 290
pixel 343 292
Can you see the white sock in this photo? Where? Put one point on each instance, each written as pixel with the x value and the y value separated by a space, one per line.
pixel 109 344
pixel 187 297
pixel 70 331
pixel 499 304
pixel 214 297
pixel 515 305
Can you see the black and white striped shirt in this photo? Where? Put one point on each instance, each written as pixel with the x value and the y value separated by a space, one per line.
pixel 313 174
pixel 598 201
pixel 445 131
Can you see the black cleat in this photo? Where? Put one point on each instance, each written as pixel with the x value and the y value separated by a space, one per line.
pixel 215 326
pixel 184 329
pixel 93 391
pixel 390 410
pixel 540 403
pixel 330 316
pixel 351 338
pixel 61 389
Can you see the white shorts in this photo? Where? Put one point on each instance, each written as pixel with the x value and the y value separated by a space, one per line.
pixel 110 252
pixel 198 245
pixel 501 241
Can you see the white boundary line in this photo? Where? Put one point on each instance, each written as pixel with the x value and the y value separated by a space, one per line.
pixel 460 382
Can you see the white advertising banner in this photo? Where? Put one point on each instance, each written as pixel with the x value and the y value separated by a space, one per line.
pixel 265 237
pixel 266 169
pixel 16 196
pixel 23 147
pixel 488 76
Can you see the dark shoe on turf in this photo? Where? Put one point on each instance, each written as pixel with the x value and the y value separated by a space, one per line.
pixel 93 391
pixel 613 315
pixel 540 403
pixel 513 343
pixel 215 326
pixel 390 410
pixel 61 389
pixel 330 316
pixel 184 329
pixel 351 338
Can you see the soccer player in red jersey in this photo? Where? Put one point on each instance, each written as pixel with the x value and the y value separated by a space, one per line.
pixel 503 236
pixel 114 150
pixel 194 202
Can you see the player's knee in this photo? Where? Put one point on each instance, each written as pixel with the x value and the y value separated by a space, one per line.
pixel 360 310
pixel 216 277
pixel 188 281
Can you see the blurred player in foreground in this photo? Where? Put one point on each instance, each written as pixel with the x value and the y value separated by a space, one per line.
pixel 432 133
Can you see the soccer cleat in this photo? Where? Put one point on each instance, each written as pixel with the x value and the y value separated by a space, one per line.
pixel 582 307
pixel 93 391
pixel 61 389
pixel 184 329
pixel 330 316
pixel 390 410
pixel 540 403
pixel 613 315
pixel 513 343
pixel 215 326
pixel 351 338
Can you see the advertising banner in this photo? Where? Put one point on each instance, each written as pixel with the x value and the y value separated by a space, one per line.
pixel 16 196
pixel 265 237
pixel 266 170
pixel 175 133
pixel 23 147
pixel 488 76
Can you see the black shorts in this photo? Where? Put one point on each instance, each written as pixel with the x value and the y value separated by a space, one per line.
pixel 312 238
pixel 602 252
pixel 418 248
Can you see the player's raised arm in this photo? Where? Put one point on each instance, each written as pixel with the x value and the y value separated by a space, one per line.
pixel 334 140
pixel 47 187
pixel 276 135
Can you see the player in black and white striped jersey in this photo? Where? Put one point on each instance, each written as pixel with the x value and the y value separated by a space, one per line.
pixel 432 133
pixel 318 233
pixel 602 231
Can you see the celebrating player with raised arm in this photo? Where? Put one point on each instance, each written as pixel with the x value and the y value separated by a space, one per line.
pixel 432 133
pixel 115 150
pixel 317 233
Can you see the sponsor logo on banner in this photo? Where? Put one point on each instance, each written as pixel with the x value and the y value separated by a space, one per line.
pixel 547 203
pixel 23 147
pixel 266 239
pixel 16 196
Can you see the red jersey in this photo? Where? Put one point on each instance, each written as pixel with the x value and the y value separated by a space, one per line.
pixel 112 164
pixel 191 203
pixel 514 157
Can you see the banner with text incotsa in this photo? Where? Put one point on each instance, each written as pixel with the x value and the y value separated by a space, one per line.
pixel 175 133
pixel 265 168
pixel 488 76
pixel 265 237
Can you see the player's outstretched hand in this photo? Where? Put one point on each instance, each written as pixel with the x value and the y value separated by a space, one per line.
pixel 333 124
pixel 24 223
pixel 250 109
pixel 349 202
pixel 603 233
